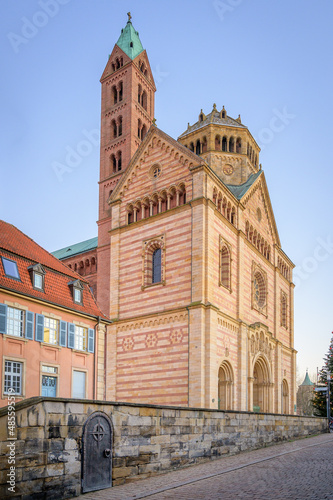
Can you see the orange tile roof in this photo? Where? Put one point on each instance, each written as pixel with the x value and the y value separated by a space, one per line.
pixel 16 246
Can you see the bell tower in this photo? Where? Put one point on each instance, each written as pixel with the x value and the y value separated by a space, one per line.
pixel 127 111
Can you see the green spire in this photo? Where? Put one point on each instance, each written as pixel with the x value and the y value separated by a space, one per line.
pixel 307 380
pixel 129 40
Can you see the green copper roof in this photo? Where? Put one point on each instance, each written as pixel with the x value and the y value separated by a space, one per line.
pixel 78 248
pixel 129 41
pixel 239 191
pixel 307 380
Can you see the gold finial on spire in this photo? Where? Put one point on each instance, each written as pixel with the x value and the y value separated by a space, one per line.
pixel 129 17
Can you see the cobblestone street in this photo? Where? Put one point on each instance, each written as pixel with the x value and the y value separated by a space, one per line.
pixel 297 470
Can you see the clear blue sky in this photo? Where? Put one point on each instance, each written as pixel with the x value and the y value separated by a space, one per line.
pixel 258 58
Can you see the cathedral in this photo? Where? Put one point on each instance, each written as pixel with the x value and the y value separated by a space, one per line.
pixel 188 263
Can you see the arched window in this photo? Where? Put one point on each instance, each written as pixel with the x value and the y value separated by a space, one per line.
pixel 224 207
pixel 182 195
pixel 144 100
pixel 283 307
pixel 157 266
pixel 231 145
pixel 215 196
pixel 229 211
pixel 143 132
pixel 224 144
pixel 247 229
pixel 197 148
pixel 192 147
pixel 225 266
pixel 114 95
pixel 120 126
pixel 204 145
pixel 225 387
pixel 119 160
pixel 217 143
pixel 120 91
pixel 285 395
pixel 114 129
pixel 239 145
pixel 233 216
pixel 139 128
pixel 139 93
pixel 113 163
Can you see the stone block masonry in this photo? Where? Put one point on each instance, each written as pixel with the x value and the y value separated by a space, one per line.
pixel 147 440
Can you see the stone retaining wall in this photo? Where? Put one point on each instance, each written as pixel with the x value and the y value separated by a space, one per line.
pixel 147 440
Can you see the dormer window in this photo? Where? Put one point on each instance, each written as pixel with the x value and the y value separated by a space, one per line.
pixel 10 268
pixel 37 275
pixel 77 291
pixel 77 296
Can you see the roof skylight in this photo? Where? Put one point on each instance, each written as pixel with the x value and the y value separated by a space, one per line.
pixel 10 268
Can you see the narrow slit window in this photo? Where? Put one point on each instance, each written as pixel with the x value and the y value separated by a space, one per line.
pixel 157 266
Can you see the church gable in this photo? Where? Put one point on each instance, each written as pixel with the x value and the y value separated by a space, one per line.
pixel 157 179
pixel 117 60
pixel 258 218
pixel 142 62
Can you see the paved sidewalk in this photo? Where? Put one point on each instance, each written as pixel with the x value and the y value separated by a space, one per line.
pixel 297 470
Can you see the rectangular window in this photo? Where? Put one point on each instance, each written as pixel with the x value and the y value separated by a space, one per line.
pixel 10 268
pixel 38 281
pixel 13 377
pixel 77 295
pixel 51 330
pixel 15 322
pixel 80 342
pixel 49 369
pixel 79 385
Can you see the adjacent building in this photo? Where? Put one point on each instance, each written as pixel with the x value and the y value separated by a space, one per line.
pixel 305 394
pixel 51 327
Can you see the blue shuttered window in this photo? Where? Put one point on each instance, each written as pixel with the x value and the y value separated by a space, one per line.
pixel 63 334
pixel 91 340
pixel 71 335
pixel 3 318
pixel 29 325
pixel 39 328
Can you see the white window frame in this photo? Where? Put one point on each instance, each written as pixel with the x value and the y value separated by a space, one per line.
pixel 14 321
pixel 52 329
pixel 13 360
pixel 81 338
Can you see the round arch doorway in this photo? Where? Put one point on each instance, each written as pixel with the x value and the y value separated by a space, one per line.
pixel 225 387
pixel 261 386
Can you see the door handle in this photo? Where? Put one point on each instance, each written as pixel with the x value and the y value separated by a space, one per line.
pixel 107 453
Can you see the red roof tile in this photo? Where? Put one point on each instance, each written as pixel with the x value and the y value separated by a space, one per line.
pixel 15 245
